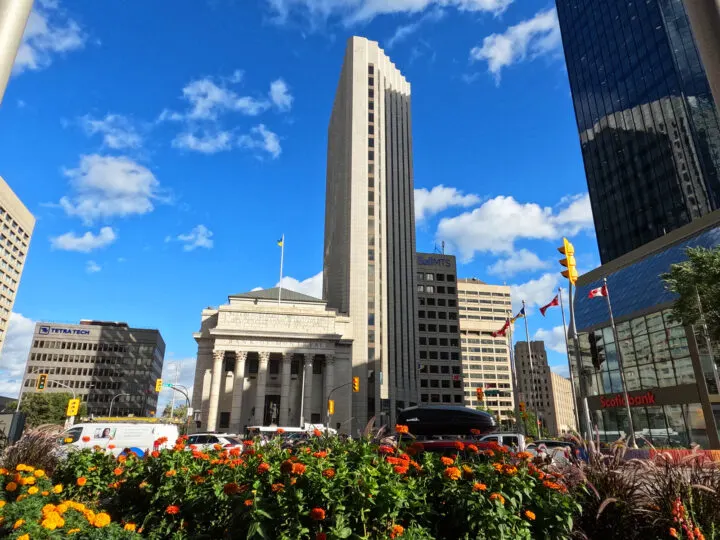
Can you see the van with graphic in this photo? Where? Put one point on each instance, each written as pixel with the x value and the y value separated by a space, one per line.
pixel 119 438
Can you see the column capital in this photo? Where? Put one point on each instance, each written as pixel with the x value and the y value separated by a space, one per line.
pixel 309 358
pixel 329 358
pixel 218 355
pixel 241 355
pixel 264 356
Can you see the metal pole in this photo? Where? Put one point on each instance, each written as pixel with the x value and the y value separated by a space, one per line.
pixel 516 395
pixel 532 371
pixel 282 256
pixel 172 399
pixel 578 361
pixel 570 369
pixel 620 365
pixel 113 400
pixel 302 397
pixel 328 398
pixel 14 15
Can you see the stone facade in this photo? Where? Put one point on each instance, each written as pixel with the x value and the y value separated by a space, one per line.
pixel 264 362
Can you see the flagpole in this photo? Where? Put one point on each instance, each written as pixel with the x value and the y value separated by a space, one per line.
pixel 532 370
pixel 570 369
pixel 516 396
pixel 620 364
pixel 578 360
pixel 282 256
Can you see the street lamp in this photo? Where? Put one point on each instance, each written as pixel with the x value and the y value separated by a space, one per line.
pixel 113 400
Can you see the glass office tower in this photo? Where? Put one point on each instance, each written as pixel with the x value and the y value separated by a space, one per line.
pixel 649 129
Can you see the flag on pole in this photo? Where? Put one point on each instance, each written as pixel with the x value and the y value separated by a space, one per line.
pixel 520 315
pixel 600 291
pixel 503 330
pixel 554 302
pixel 281 241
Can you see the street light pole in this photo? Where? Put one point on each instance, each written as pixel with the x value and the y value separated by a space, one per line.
pixel 327 425
pixel 184 391
pixel 14 15
pixel 113 400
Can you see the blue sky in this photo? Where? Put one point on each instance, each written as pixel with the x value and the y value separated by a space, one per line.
pixel 165 147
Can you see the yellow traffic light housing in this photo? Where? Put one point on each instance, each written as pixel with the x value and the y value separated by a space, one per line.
pixel 568 250
pixel 41 382
pixel 158 385
pixel 480 394
pixel 522 407
pixel 73 407
pixel 356 384
pixel 331 407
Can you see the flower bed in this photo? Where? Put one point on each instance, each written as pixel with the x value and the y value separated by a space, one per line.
pixel 327 488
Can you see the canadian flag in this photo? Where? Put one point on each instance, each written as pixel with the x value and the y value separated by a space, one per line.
pixel 600 291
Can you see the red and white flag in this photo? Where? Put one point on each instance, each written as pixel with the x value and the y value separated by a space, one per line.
pixel 600 291
pixel 554 302
pixel 503 330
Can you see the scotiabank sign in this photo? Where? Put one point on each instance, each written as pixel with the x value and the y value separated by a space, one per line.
pixel 635 401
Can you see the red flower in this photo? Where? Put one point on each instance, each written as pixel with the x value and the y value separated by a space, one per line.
pixel 155 454
pixel 118 471
pixel 317 432
pixel 280 431
pixel 472 448
pixel 320 455
pixel 248 502
pixel 475 432
pixel 384 449
pixel 298 469
pixel 163 440
pixel 328 473
pixel 317 514
pixel 263 468
pixel 172 510
pixel 459 445
pixel 400 469
pixel 81 481
pixel 396 531
pixel 110 446
pixel 86 438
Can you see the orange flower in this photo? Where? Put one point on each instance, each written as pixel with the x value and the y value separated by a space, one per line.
pixel 459 445
pixel 231 489
pixel 118 471
pixel 217 447
pixel 475 432
pixel 286 467
pixel 453 473
pixel 172 510
pixel 446 461
pixel 510 470
pixel 19 523
pixel 81 481
pixel 472 448
pixel 400 469
pixel 298 469
pixel 477 486
pixel 673 532
pixel 524 455
pixel 248 502
pixel 400 428
pixel 130 527
pixel 280 431
pixel 110 446
pixel 122 459
pixel 277 487
pixel 328 473
pixel 317 514
pixel 320 455
pixel 85 438
pixel 155 454
pixel 161 440
pixel 11 486
pixel 263 468
pixel 317 432
pixel 530 515
pixel 497 497
pixel 396 531
pixel 171 472
pixel 467 472
pixel 384 449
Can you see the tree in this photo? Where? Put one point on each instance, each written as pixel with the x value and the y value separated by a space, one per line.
pixel 47 408
pixel 698 276
pixel 179 412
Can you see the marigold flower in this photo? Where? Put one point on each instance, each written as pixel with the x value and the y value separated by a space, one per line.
pixel 472 448
pixel 172 510
pixel 320 455
pixel 328 473
pixel 298 469
pixel 102 520
pixel 396 531
pixel 248 502
pixel 171 472
pixel 33 490
pixel 11 486
pixel 48 508
pixel 155 454
pixel 524 455
pixel 111 446
pixel 19 523
pixel 163 440
pixel 2 503
pixel 530 515
pixel 231 489
pixel 459 445
pixel 467 472
pixel 453 473
pixel 497 497
pixel 475 432
pixel 130 527
pixel 673 532
pixel 29 481
pixel 318 514
pixel 27 536
pixel 446 461
pixel 401 469
pixel 277 487
pixel 317 432
pixel 477 486
pixel 122 459
pixel 263 468
pixel 385 449
pixel 39 473
pixel 400 428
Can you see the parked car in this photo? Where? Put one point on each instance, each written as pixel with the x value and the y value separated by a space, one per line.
pixel 207 441
pixel 428 421
pixel 559 451
pixel 119 438
pixel 513 441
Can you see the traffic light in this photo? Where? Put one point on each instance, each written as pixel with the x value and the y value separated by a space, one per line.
pixel 356 384
pixel 568 250
pixel 41 382
pixel 522 407
pixel 73 407
pixel 480 394
pixel 331 407
pixel 158 385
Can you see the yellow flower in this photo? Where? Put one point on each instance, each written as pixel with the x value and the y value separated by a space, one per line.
pixel 2 503
pixel 24 537
pixel 73 531
pixel 89 515
pixel 101 520
pixel 48 508
pixel 39 473
pixel 11 486
pixel 68 440
pixel 19 523
pixel 29 481
pixel 45 493
pixel 62 508
pixel 130 527
pixel 21 497
pixel 20 467
pixel 33 490
pixel 58 488
pixel 49 524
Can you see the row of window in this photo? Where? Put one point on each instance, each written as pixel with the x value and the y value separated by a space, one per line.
pixel 440 383
pixel 440 289
pixel 5 277
pixel 482 317
pixel 450 302
pixel 80 346
pixel 442 342
pixel 84 359
pixel 92 385
pixel 432 314
pixel 485 310
pixel 443 328
pixel 488 302
pixel 85 372
pixel 445 370
pixel 441 355
pixel 436 398
pixel 436 277
pixel 483 293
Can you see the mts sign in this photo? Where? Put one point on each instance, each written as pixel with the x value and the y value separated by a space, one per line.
pixel 619 401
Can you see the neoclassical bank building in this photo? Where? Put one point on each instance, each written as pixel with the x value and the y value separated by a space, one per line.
pixel 264 361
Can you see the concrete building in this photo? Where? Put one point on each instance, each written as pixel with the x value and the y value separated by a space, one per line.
pixel 98 361
pixel 17 225
pixel 439 355
pixel 261 362
pixel 484 309
pixel 369 271
pixel 551 397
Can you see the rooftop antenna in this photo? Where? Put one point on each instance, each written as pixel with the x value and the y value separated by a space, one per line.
pixel 443 247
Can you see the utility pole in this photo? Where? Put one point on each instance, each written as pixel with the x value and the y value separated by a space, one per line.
pixel 14 15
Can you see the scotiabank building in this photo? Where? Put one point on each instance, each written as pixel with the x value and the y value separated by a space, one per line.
pixel 671 370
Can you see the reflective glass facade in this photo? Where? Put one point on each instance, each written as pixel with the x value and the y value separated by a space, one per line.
pixel 649 129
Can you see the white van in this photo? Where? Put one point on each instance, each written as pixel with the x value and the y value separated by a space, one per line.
pixel 513 441
pixel 119 437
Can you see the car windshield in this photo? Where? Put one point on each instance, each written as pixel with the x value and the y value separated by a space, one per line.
pixel 71 435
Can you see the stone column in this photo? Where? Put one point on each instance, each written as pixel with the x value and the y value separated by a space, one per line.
pixel 307 389
pixel 217 377
pixel 260 390
pixel 237 397
pixel 329 382
pixel 285 388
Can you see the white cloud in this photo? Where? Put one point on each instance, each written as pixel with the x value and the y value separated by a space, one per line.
pixel 554 339
pixel 108 186
pixel 206 143
pixel 355 11
pixel 117 130
pixel 261 138
pixel 85 243
pixel 185 377
pixel 521 261
pixel 280 95
pixel 530 38
pixel 402 32
pixel 256 289
pixel 48 32
pixel 536 292
pixel 311 286
pixel 499 222
pixel 92 267
pixel 199 237
pixel 431 202
pixel 15 350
